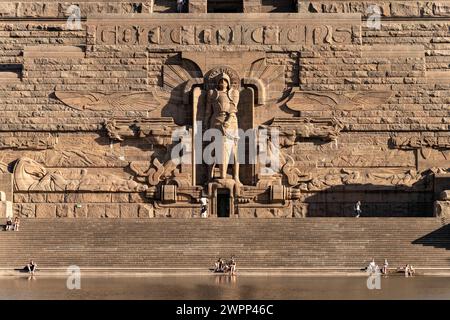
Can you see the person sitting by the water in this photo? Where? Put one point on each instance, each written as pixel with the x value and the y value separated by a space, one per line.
pixel 9 224
pixel 385 266
pixel 225 267
pixel 232 265
pixel 412 271
pixel 31 267
pixel 377 269
pixel 16 224
pixel 372 266
pixel 407 270
pixel 218 265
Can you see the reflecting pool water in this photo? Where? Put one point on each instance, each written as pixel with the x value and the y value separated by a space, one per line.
pixel 225 287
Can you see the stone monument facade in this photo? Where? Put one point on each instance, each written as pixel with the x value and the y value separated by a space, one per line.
pixel 106 106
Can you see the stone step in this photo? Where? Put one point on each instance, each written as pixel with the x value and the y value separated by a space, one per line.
pixel 164 243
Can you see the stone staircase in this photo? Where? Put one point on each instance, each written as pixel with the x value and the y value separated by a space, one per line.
pixel 316 243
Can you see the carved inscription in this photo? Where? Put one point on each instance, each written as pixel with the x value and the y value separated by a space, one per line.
pixel 277 34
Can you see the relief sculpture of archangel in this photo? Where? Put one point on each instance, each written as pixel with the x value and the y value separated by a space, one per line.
pixel 221 114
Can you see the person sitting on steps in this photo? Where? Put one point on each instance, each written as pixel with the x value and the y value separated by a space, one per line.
pixel 232 265
pixel 372 266
pixel 385 266
pixel 16 224
pixel 218 265
pixel 412 271
pixel 9 224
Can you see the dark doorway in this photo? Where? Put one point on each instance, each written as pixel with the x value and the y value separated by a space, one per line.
pixel 223 203
pixel 230 6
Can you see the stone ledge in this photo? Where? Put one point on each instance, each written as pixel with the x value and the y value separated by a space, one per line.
pixel 386 51
pixel 441 77
pixel 55 51
pixel 228 18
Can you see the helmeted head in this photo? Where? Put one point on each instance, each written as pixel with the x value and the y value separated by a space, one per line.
pixel 223 81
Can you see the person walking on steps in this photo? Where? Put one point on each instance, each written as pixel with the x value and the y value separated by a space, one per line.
pixel 358 209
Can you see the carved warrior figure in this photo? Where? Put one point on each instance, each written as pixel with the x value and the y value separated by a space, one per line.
pixel 221 114
pixel 31 176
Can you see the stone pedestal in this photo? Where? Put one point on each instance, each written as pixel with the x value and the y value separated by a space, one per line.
pixel 252 6
pixel 6 185
pixel 442 209
pixel 198 6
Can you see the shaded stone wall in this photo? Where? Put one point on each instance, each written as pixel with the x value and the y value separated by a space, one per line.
pixel 382 156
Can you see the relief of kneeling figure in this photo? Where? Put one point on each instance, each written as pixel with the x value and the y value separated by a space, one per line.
pixel 32 176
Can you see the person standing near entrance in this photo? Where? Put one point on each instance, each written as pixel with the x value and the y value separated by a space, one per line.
pixel 204 207
pixel 358 209
pixel 180 5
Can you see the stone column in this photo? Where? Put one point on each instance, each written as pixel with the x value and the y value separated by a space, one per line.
pixel 252 6
pixel 301 6
pixel 5 206
pixel 198 6
pixel 6 195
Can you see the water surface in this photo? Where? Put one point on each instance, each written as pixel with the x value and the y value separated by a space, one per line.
pixel 224 287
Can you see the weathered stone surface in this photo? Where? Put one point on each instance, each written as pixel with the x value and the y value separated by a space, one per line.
pixel 96 210
pixel 112 211
pixel 404 9
pixel 445 195
pixel 6 209
pixel 44 210
pixel 6 185
pixel 81 211
pixel 25 210
pixel 442 209
pixel 65 210
pixel 180 213
pixel 129 210
pixel 88 115
pixel 146 211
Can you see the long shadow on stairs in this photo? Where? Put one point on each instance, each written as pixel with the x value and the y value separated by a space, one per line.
pixel 439 238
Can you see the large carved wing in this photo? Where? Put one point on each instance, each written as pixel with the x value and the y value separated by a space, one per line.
pixel 78 100
pixel 301 101
pixel 138 101
pixel 321 101
pixel 269 80
pixel 369 99
pixel 117 101
pixel 179 78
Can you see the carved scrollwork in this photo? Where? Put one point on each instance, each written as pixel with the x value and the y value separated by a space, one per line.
pixel 156 172
pixel 157 131
pixel 290 129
